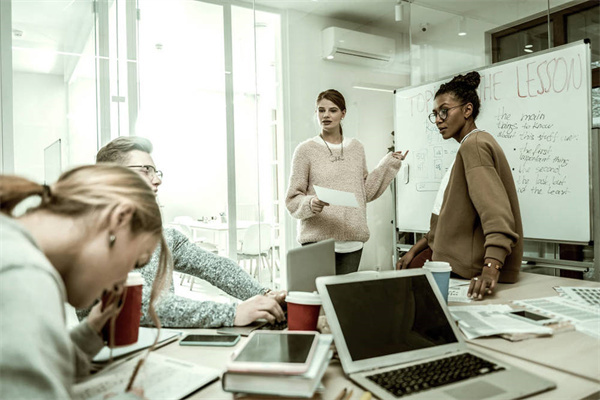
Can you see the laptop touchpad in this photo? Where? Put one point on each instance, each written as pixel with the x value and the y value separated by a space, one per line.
pixel 475 390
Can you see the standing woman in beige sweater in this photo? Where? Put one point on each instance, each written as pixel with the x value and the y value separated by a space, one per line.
pixel 332 161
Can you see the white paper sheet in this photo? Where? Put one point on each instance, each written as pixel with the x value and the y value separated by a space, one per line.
pixel 492 319
pixel 458 294
pixel 562 308
pixel 160 377
pixel 336 197
pixel 587 295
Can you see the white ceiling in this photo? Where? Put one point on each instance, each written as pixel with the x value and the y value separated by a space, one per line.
pixel 56 25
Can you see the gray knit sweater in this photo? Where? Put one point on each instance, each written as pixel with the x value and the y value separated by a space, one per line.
pixel 176 311
pixel 311 165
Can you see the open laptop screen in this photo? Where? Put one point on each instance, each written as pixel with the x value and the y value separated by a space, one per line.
pixel 387 316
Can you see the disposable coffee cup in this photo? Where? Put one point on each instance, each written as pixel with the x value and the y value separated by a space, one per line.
pixel 441 274
pixel 303 310
pixel 125 327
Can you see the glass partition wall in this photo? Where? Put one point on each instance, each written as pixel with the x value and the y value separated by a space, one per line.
pixel 226 90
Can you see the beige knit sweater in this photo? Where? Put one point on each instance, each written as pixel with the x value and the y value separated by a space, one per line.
pixel 311 165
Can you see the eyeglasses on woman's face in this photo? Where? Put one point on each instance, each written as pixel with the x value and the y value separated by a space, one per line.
pixel 442 114
pixel 148 170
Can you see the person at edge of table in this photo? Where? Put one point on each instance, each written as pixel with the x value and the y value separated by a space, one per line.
pixel 478 229
pixel 91 228
pixel 175 311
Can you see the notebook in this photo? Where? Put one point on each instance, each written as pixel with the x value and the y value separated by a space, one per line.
pixel 388 325
pixel 307 263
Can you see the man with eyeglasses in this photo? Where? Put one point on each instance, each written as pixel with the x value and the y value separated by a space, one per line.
pixel 175 311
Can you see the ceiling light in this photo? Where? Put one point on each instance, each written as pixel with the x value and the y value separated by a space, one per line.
pixel 528 46
pixel 462 27
pixel 528 50
pixel 330 57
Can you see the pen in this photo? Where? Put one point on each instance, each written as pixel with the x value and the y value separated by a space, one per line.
pixel 366 396
pixel 349 395
pixel 135 371
pixel 341 395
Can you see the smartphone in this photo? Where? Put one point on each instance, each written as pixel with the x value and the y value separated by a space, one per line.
pixel 530 315
pixel 533 317
pixel 209 340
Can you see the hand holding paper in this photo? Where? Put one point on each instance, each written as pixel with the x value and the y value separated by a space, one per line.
pixel 336 197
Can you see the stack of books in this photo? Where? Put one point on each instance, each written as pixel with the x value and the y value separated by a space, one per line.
pixel 287 385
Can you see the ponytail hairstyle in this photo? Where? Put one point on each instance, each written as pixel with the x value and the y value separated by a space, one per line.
pixel 336 98
pixel 463 88
pixel 96 189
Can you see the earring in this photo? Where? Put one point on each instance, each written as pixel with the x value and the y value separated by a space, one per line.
pixel 111 240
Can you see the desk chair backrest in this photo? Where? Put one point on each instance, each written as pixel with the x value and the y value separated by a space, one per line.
pixel 257 239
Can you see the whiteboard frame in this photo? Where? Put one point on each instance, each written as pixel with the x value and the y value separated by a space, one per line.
pixel 591 150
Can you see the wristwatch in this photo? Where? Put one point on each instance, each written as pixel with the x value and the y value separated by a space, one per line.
pixel 498 267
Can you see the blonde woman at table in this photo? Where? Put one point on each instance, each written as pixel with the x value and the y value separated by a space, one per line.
pixel 332 161
pixel 478 230
pixel 174 311
pixel 92 227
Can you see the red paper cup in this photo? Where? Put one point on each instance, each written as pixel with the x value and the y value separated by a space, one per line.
pixel 303 310
pixel 126 325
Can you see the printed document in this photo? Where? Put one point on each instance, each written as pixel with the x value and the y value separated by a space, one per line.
pixel 160 377
pixel 336 197
pixel 492 319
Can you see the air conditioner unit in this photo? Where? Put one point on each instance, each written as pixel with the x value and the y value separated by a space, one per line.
pixel 344 45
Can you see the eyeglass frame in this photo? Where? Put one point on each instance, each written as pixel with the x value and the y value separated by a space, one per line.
pixel 436 115
pixel 149 170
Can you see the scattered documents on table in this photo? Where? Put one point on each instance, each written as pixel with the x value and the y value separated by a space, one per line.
pixel 160 377
pixel 336 197
pixel 586 295
pixel 146 337
pixel 302 385
pixel 584 317
pixel 493 319
pixel 457 291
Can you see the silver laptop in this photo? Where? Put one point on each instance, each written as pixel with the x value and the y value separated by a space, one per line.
pixel 307 263
pixel 388 325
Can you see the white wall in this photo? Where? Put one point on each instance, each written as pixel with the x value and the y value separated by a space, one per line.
pixel 369 117
pixel 39 120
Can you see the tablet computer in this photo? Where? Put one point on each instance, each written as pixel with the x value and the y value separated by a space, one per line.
pixel 282 352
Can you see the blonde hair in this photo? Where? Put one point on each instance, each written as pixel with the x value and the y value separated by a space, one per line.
pixel 96 189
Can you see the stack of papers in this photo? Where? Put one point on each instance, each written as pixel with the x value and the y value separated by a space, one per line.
pixel 493 319
pixel 457 291
pixel 587 295
pixel 303 385
pixel 584 317
pixel 160 378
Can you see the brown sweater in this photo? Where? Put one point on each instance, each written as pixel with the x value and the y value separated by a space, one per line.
pixel 480 216
pixel 311 166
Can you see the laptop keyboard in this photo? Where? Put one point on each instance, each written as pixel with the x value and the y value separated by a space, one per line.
pixel 416 378
pixel 276 326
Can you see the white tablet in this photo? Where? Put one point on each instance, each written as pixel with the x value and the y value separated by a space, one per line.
pixel 281 352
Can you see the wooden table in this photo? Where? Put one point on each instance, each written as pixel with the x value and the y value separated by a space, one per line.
pixel 570 352
pixel 569 359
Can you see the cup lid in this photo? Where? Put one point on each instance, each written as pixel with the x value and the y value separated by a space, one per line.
pixel 134 278
pixel 309 298
pixel 437 266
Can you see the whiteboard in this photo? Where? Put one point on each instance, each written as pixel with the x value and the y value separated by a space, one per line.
pixel 52 162
pixel 538 108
